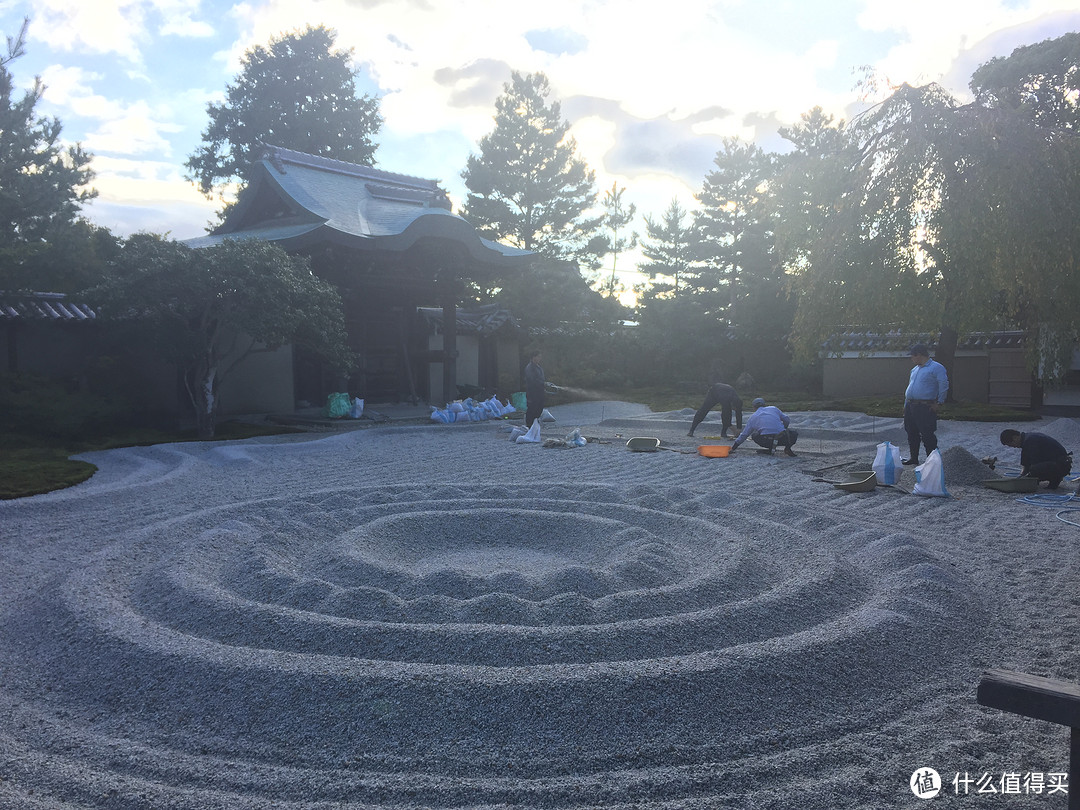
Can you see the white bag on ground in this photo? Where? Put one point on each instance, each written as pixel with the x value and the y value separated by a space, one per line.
pixel 887 463
pixel 532 435
pixel 546 416
pixel 357 409
pixel 930 477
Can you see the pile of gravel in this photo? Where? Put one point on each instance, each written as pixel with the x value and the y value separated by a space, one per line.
pixel 962 468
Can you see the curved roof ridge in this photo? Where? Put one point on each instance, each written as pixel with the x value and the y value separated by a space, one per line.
pixel 284 155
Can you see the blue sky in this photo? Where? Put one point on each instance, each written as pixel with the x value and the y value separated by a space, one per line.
pixel 650 88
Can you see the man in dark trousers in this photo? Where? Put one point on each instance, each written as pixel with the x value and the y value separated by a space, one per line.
pixel 1041 456
pixel 725 396
pixel 927 386
pixel 534 389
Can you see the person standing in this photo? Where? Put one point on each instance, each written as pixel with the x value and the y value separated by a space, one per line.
pixel 769 427
pixel 1041 456
pixel 927 386
pixel 534 389
pixel 725 396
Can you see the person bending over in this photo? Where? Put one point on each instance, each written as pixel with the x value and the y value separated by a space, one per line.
pixel 1040 456
pixel 769 427
pixel 725 396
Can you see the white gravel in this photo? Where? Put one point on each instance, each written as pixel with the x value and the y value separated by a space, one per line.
pixel 433 616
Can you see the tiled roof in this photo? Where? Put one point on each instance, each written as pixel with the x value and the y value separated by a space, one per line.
pixel 901 342
pixel 483 320
pixel 295 196
pixel 42 306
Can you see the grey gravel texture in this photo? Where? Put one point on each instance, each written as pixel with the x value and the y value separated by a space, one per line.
pixel 433 616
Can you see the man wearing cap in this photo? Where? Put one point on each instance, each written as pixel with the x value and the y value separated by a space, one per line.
pixel 927 387
pixel 769 427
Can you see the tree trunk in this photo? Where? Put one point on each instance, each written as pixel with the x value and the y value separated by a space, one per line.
pixel 946 355
pixel 202 389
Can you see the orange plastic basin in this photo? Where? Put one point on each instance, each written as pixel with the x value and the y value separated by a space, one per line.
pixel 714 450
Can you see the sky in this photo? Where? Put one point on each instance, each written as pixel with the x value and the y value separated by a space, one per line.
pixel 650 88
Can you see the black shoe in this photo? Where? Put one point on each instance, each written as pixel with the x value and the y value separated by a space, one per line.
pixel 907 462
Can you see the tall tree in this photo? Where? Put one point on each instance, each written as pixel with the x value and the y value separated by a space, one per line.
pixel 678 333
pixel 206 310
pixel 731 226
pixel 668 249
pixel 526 186
pixel 948 217
pixel 1043 79
pixel 43 184
pixel 299 93
pixel 617 216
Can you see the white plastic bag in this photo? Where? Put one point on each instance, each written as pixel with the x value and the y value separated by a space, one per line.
pixel 887 463
pixel 575 439
pixel 357 409
pixel 930 477
pixel 532 436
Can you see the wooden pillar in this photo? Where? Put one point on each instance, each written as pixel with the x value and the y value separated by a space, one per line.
pixel 448 286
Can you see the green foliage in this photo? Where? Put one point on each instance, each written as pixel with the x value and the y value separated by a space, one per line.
pixel 297 93
pixel 669 250
pixel 726 309
pixel 42 184
pixel 526 186
pixel 43 409
pixel 1041 79
pixel 617 216
pixel 205 310
pixel 924 214
pixel 732 230
pixel 74 258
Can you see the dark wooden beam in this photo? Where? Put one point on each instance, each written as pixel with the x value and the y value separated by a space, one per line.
pixel 1040 699
pixel 1031 696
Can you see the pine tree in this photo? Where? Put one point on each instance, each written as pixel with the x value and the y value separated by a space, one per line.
pixel 526 186
pixel 42 184
pixel 669 250
pixel 617 216
pixel 298 93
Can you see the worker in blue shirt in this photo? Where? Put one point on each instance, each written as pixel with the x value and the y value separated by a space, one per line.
pixel 769 427
pixel 927 387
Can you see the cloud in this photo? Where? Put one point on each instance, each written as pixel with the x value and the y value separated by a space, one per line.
pixel 557 40
pixel 91 26
pixel 632 145
pixel 142 195
pixel 182 25
pixel 479 82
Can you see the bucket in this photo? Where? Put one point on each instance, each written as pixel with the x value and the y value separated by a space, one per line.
pixel 714 450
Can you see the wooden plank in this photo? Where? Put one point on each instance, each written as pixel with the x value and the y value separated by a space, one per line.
pixel 1031 696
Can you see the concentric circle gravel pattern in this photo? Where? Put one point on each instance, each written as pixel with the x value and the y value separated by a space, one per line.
pixel 461 645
